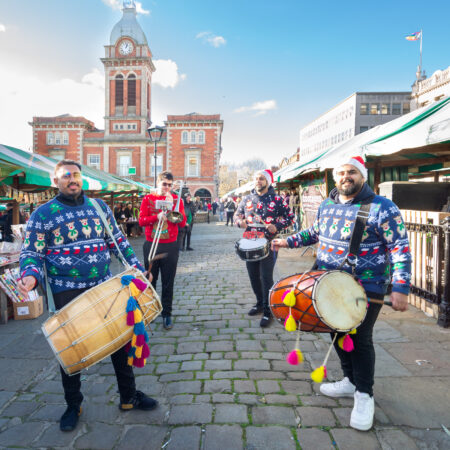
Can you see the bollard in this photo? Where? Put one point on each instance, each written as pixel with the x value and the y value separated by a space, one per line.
pixel 444 306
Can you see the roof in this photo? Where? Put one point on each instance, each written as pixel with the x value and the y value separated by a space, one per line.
pixel 192 117
pixel 128 26
pixel 63 118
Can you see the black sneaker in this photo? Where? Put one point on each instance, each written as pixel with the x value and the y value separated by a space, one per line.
pixel 255 310
pixel 139 401
pixel 167 323
pixel 190 249
pixel 69 419
pixel 265 321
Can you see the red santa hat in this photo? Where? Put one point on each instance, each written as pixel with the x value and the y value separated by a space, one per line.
pixel 356 161
pixel 267 173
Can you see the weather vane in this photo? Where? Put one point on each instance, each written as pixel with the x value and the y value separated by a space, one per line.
pixel 129 4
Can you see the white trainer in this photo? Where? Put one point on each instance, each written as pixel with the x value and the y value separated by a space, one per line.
pixel 363 412
pixel 343 388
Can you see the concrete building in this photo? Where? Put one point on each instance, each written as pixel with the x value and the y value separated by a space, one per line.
pixel 190 146
pixel 354 115
pixel 431 89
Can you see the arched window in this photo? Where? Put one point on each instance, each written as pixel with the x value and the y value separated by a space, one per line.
pixel 184 137
pixel 50 139
pixel 201 137
pixel 57 138
pixel 193 137
pixel 131 99
pixel 119 90
pixel 65 138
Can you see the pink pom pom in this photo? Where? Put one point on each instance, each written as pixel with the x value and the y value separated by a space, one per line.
pixel 284 294
pixel 127 346
pixel 140 284
pixel 130 318
pixel 139 362
pixel 145 351
pixel 295 357
pixel 140 340
pixel 325 371
pixel 347 344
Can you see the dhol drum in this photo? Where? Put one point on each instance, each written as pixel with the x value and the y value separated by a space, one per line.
pixel 94 324
pixel 251 250
pixel 325 301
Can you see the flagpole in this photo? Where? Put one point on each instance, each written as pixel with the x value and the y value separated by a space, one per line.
pixel 420 65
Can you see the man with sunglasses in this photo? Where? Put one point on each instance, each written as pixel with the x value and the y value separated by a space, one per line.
pixel 67 237
pixel 149 217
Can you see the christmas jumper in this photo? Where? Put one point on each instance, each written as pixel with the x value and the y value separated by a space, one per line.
pixel 148 218
pixel 72 243
pixel 269 206
pixel 383 255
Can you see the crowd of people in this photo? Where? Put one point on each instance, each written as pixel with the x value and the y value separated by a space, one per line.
pixel 382 260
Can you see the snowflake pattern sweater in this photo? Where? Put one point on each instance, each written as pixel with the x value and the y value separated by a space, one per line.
pixel 270 206
pixel 384 254
pixel 72 243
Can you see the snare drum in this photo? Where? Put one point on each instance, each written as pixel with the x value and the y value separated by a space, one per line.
pixel 325 301
pixel 94 324
pixel 252 249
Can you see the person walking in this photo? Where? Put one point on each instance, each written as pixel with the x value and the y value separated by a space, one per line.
pixel 221 209
pixel 189 209
pixel 70 222
pixel 230 208
pixel 383 258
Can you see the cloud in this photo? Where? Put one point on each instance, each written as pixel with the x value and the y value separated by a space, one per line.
pixel 118 4
pixel 167 74
pixel 2 27
pixel 260 108
pixel 209 38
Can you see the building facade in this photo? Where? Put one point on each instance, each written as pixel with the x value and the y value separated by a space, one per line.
pixel 431 89
pixel 354 115
pixel 190 146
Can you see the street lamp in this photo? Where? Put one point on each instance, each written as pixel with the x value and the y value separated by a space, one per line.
pixel 155 134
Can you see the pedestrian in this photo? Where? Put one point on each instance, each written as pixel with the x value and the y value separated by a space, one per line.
pixel 230 208
pixel 129 219
pixel 208 208
pixel 6 220
pixel 189 209
pixel 68 221
pixel 215 205
pixel 150 215
pixel 265 206
pixel 221 209
pixel 384 247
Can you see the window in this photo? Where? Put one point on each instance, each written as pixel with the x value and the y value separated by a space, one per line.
pixel 201 137
pixel 124 165
pixel 94 161
pixel 184 137
pixel 57 138
pixel 364 109
pixel 159 161
pixel 131 99
pixel 385 108
pixel 406 108
pixel 374 108
pixel 192 166
pixel 65 138
pixel 119 90
pixel 50 139
pixel 396 109
pixel 362 129
pixel 193 137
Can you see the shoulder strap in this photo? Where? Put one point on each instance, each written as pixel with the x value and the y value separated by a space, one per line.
pixel 361 220
pixel 100 212
pixel 50 299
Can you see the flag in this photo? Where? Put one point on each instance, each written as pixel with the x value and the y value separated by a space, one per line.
pixel 414 36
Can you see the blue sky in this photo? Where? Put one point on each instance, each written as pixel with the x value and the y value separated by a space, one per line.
pixel 267 67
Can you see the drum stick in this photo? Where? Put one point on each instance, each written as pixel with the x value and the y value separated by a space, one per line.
pixel 380 302
pixel 156 240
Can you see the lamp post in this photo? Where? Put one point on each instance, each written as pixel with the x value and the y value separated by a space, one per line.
pixel 155 134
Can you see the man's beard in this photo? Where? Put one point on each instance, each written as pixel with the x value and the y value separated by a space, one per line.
pixel 352 189
pixel 260 188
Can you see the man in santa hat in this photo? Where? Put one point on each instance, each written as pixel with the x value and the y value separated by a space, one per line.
pixel 263 207
pixel 383 258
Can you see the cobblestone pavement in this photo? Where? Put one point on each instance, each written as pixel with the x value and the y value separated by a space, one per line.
pixel 222 381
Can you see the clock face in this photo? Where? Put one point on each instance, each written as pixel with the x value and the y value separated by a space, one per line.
pixel 125 48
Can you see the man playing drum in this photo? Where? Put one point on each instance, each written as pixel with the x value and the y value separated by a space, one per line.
pixel 383 257
pixel 66 238
pixel 263 206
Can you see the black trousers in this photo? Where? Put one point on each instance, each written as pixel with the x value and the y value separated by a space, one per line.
pixel 261 279
pixel 187 236
pixel 359 364
pixel 168 268
pixel 230 215
pixel 124 373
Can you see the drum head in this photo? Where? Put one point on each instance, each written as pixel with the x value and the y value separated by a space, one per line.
pixel 252 244
pixel 340 300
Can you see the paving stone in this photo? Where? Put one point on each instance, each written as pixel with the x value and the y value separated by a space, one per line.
pixel 219 346
pixel 156 416
pixel 427 439
pixel 180 358
pixel 201 356
pixel 5 397
pixel 317 400
pixel 242 345
pixel 101 436
pixel 19 409
pixel 282 399
pixel 312 416
pixel 186 438
pixel 187 414
pixel 350 439
pixel 52 437
pixel 231 355
pixel 50 413
pixel 391 439
pixel 343 415
pixel 162 349
pixel 20 435
pixel 191 365
pixel 244 386
pixel 251 364
pixel 249 399
pixel 223 398
pixel 218 365
pixel 217 386
pixel 176 376
pixel 183 387
pixel 167 368
pixel 267 374
pixel 230 374
pixel 250 355
pixel 181 399
pixel 203 398
pixel 219 437
pixel 190 347
pixel 281 415
pixel 230 413
pixel 273 355
pixel 313 439
pixel 279 438
pixel 297 387
pixel 273 346
pixel 143 437
pixel 267 386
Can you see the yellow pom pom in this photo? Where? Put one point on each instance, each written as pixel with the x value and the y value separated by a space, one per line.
pixel 138 353
pixel 137 315
pixel 133 341
pixel 341 342
pixel 352 331
pixel 318 375
pixel 134 291
pixel 130 361
pixel 289 299
pixel 290 324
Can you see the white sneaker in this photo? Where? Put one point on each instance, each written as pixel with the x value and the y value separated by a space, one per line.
pixel 343 388
pixel 363 411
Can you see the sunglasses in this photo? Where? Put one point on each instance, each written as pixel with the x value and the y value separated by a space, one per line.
pixel 66 176
pixel 163 183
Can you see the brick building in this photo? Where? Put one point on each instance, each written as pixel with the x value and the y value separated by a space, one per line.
pixel 190 146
